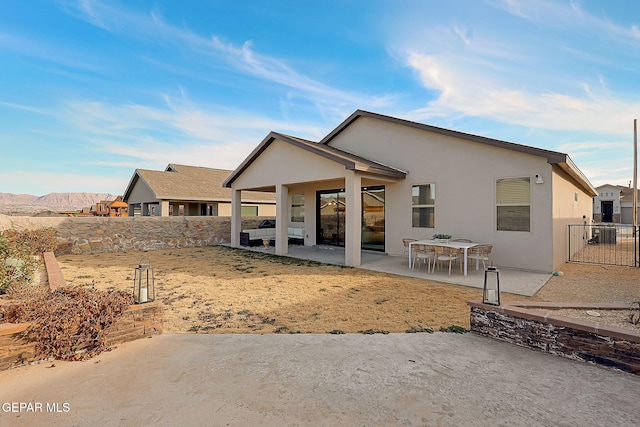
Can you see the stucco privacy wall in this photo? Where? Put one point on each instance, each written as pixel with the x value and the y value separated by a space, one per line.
pixel 98 235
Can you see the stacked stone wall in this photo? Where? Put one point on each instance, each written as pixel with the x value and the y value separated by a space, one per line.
pixel 522 324
pixel 86 235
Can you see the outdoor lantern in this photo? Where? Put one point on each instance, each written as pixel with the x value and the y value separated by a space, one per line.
pixel 144 283
pixel 491 293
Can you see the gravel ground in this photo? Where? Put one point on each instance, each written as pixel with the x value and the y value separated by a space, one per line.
pixel 619 318
pixel 596 283
pixel 592 283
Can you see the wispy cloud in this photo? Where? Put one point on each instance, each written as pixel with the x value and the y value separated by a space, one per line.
pixel 242 57
pixel 477 72
pixel 29 108
pixel 178 132
pixel 567 16
pixel 480 95
pixel 50 52
pixel 272 69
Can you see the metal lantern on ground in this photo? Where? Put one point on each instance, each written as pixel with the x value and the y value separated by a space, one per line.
pixel 491 293
pixel 144 283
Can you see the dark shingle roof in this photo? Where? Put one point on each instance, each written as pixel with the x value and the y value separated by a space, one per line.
pixel 182 182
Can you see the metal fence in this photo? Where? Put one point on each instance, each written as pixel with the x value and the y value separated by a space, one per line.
pixel 611 244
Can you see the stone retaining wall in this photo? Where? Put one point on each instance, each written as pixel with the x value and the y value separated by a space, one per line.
pixel 116 234
pixel 522 323
pixel 14 349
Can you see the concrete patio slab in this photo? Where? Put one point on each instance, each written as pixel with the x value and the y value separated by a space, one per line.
pixel 517 282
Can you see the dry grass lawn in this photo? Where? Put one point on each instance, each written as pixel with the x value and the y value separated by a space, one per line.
pixel 225 290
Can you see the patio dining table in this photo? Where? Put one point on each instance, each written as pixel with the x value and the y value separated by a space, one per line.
pixel 444 243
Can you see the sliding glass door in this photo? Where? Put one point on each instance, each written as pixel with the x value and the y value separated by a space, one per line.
pixel 330 217
pixel 373 218
pixel 331 211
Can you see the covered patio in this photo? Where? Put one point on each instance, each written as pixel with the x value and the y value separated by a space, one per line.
pixel 319 191
pixel 513 281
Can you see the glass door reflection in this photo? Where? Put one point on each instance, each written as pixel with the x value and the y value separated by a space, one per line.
pixel 373 218
pixel 331 217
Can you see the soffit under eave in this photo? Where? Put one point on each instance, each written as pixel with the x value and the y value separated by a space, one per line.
pixel 578 178
pixel 369 169
pixel 191 199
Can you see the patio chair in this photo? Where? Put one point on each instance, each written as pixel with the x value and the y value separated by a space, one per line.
pixel 462 240
pixel 480 253
pixel 422 253
pixel 446 254
pixel 405 244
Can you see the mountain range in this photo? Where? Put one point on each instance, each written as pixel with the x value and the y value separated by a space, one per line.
pixel 52 201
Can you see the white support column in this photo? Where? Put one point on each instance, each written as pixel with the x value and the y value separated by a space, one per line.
pixel 282 219
pixel 310 222
pixel 353 226
pixel 236 217
pixel 164 208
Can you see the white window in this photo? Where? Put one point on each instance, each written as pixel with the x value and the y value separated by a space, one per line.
pixel 423 204
pixel 513 204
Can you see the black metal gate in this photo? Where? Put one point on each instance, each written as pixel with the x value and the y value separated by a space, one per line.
pixel 611 244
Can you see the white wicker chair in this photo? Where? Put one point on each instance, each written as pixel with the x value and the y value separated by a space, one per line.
pixel 446 254
pixel 422 253
pixel 480 253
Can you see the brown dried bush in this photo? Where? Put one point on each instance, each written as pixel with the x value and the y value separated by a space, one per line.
pixel 70 323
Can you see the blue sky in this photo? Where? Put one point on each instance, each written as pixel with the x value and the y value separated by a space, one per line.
pixel 92 90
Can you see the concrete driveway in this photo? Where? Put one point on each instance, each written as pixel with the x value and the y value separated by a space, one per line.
pixel 320 380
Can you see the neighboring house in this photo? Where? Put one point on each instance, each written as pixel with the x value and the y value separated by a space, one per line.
pixel 182 190
pixel 376 179
pixel 114 207
pixel 613 203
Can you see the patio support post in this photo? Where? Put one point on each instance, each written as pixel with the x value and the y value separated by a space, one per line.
pixel 353 227
pixel 236 217
pixel 164 208
pixel 282 220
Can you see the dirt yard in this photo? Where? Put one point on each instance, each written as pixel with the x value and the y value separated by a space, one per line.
pixel 225 290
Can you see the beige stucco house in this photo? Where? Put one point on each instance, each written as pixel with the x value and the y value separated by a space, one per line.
pixel 182 190
pixel 376 179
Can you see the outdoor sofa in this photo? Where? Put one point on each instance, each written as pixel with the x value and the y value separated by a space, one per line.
pixel 256 237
